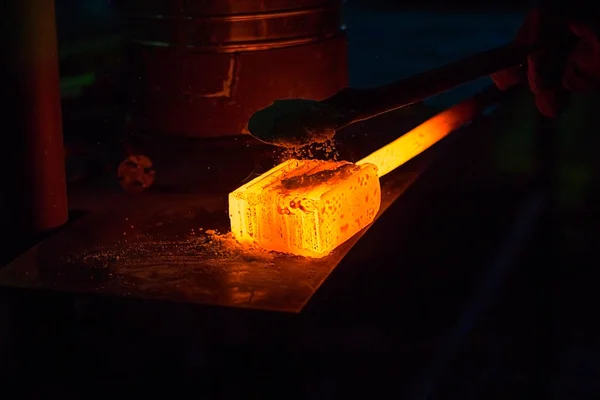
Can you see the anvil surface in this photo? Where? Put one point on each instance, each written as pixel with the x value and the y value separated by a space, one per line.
pixel 152 247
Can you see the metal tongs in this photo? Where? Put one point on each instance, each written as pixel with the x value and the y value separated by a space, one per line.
pixel 297 122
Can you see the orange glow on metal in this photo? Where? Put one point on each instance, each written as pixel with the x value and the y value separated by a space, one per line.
pixel 305 207
pixel 416 141
pixel 310 207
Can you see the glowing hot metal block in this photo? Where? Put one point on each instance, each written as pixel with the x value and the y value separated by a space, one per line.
pixel 305 207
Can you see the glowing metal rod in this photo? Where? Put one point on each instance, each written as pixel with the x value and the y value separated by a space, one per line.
pixel 416 141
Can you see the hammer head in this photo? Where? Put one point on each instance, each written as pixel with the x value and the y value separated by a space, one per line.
pixel 295 123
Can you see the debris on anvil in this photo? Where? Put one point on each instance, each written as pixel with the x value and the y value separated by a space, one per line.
pixel 136 173
pixel 204 248
pixel 225 246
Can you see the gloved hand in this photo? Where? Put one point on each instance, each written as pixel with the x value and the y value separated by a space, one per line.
pixel 553 74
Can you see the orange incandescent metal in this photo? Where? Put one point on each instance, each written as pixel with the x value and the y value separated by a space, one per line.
pixel 310 207
pixel 306 208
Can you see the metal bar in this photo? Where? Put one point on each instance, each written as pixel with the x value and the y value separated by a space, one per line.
pixel 35 194
pixel 419 139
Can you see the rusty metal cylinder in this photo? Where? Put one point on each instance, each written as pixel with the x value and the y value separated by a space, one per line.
pixel 201 68
pixel 34 190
